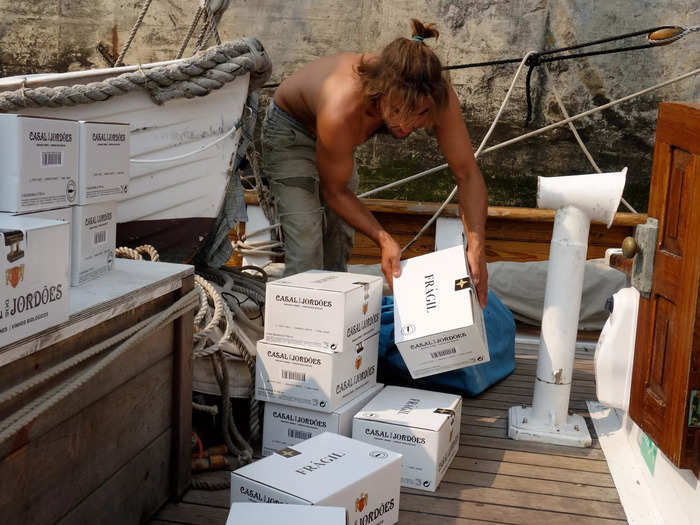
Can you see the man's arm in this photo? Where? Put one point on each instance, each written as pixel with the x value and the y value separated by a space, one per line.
pixel 456 147
pixel 334 156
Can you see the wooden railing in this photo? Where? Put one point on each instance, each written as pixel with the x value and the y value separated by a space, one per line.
pixel 512 234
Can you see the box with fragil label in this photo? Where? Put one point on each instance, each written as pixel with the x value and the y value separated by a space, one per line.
pixel 438 322
pixel 94 238
pixel 274 513
pixel 103 166
pixel 313 379
pixel 420 425
pixel 286 426
pixel 35 276
pixel 38 163
pixel 328 470
pixel 318 310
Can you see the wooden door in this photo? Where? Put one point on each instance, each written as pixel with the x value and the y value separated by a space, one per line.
pixel 667 353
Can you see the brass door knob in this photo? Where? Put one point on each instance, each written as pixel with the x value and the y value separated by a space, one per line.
pixel 629 247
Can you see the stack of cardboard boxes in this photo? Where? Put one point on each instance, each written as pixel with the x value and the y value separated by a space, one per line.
pixel 316 370
pixel 59 183
pixel 317 364
pixel 316 367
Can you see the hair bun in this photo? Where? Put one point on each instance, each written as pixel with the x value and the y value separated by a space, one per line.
pixel 422 30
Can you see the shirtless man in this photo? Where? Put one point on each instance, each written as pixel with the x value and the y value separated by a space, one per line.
pixel 321 113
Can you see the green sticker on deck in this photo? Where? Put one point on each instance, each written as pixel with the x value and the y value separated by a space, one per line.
pixel 694 412
pixel 648 449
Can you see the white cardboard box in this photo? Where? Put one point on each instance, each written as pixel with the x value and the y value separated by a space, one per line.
pixel 420 425
pixel 286 426
pixel 328 311
pixel 438 322
pixel 38 163
pixel 329 470
pixel 94 239
pixel 313 379
pixel 35 275
pixel 60 214
pixel 103 167
pixel 283 514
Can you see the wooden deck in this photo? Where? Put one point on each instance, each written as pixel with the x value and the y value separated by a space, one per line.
pixel 493 479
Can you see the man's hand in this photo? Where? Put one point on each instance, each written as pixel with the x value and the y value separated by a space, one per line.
pixel 476 257
pixel 391 255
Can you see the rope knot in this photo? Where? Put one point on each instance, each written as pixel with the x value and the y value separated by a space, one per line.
pixel 533 60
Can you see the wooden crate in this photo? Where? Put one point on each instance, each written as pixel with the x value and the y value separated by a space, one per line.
pixel 117 448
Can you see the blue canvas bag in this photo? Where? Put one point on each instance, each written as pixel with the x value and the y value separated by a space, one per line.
pixel 468 381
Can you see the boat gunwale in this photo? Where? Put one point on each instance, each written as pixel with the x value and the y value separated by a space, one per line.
pixel 452 210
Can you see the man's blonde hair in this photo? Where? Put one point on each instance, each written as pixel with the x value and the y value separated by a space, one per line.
pixel 407 73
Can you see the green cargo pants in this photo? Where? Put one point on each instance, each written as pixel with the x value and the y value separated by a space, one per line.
pixel 314 236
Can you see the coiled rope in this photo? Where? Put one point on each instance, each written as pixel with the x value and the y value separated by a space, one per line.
pixel 221 339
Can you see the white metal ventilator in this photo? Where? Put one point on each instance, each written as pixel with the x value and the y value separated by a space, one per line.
pixel 578 199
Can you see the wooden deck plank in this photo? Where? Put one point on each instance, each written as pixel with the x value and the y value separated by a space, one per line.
pixel 530 446
pixel 193 514
pixel 567 489
pixel 496 513
pixel 493 479
pixel 534 472
pixel 529 458
pixel 409 517
pixel 527 500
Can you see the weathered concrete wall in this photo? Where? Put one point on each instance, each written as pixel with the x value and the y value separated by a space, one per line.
pixel 61 35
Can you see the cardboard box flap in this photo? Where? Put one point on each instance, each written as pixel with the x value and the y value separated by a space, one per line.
pixel 433 295
pixel 410 407
pixel 328 281
pixel 318 467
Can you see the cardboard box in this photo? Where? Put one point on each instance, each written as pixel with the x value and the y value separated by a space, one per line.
pixel 438 322
pixel 313 379
pixel 103 167
pixel 420 425
pixel 286 426
pixel 271 514
pixel 38 163
pixel 94 238
pixel 60 214
pixel 35 276
pixel 328 311
pixel 329 470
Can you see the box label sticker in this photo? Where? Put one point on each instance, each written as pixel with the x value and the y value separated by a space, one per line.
pixel 648 450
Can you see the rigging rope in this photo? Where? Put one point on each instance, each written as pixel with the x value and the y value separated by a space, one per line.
pixel 539 132
pixel 476 154
pixel 578 137
pixel 132 35
pixel 534 133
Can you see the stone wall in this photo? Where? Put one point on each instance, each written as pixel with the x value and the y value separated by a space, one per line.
pixel 61 35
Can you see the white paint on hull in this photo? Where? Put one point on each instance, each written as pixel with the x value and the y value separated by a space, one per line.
pixel 190 187
pixel 669 496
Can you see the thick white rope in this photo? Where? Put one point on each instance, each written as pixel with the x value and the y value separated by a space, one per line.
pixel 190 153
pixel 23 417
pixel 541 130
pixel 476 154
pixel 573 129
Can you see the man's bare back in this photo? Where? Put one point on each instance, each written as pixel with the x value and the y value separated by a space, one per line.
pixel 330 84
